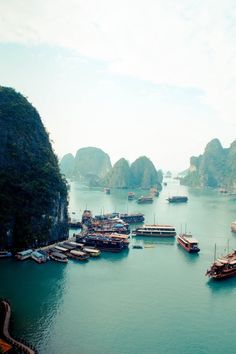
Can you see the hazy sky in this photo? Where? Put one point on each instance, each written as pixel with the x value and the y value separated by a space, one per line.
pixel 133 77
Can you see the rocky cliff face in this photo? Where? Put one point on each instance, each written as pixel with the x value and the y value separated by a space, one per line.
pixel 33 195
pixel 67 165
pixel 141 174
pixel 119 176
pixel 215 168
pixel 144 174
pixel 91 165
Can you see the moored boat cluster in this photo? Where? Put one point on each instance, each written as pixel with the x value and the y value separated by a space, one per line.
pixel 111 233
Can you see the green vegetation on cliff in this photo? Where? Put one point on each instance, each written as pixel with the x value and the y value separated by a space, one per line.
pixel 216 167
pixel 119 176
pixel 33 195
pixel 144 173
pixel 91 165
pixel 141 174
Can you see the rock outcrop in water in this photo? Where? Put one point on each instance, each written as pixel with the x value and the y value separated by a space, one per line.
pixel 120 175
pixel 141 174
pixel 144 174
pixel 33 195
pixel 91 165
pixel 67 165
pixel 215 168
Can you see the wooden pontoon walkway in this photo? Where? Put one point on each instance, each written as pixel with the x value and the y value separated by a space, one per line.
pixel 5 330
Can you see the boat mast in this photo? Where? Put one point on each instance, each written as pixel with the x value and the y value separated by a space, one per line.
pixel 215 253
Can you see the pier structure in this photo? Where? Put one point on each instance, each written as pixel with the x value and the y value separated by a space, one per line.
pixel 6 316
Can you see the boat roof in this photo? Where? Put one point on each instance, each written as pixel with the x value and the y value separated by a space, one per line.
pixel 24 253
pixel 87 249
pixel 71 243
pixel 37 254
pixel 77 253
pixel 121 236
pixel 189 238
pixel 156 226
pixel 218 264
pixel 223 261
pixel 59 255
pixel 61 248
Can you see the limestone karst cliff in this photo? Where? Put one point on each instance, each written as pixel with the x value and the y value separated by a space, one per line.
pixel 33 195
pixel 215 168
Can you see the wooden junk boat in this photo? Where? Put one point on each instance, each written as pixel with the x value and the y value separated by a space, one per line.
pixel 223 267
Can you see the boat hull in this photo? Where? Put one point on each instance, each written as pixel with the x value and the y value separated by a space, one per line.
pixel 154 234
pixel 223 275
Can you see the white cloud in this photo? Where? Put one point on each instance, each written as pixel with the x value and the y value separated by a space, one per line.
pixel 187 43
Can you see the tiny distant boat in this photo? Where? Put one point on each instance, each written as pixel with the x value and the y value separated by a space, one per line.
pixel 154 192
pixel 223 267
pixel 233 226
pixel 5 254
pixel 131 196
pixel 137 247
pixel 178 199
pixel 59 257
pixel 38 257
pixel 189 243
pixel 144 200
pixel 107 190
pixel 23 254
pixel 223 190
pixel 156 230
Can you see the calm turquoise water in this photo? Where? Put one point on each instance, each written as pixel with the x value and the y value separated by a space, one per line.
pixel 149 301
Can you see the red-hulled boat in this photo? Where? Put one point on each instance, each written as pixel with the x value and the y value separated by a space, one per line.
pixel 189 243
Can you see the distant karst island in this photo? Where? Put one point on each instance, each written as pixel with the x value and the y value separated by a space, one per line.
pixel 92 166
pixel 215 168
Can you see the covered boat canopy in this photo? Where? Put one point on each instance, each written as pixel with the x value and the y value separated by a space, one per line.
pixel 25 253
pixel 191 239
pixel 77 253
pixel 223 261
pixel 37 254
pixel 218 264
pixel 59 255
pixel 62 249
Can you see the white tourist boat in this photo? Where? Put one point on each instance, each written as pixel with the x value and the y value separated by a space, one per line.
pixel 156 230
